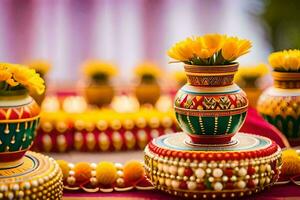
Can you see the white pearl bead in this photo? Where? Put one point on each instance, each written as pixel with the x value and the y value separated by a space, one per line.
pixel 208 170
pixel 181 171
pixel 269 168
pixel 10 195
pixel 27 185
pixel 15 187
pixel 173 170
pixel 241 184
pixel 71 180
pixel 242 172
pixel 168 182
pixel 93 165
pixel 225 178
pixel 255 181
pixel 191 185
pixel 233 178
pixel 161 181
pixel 34 183
pixel 217 172
pixel 200 173
pixel 175 184
pixel 160 166
pixel 165 168
pixel 218 186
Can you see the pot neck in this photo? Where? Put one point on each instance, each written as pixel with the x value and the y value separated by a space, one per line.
pixel 14 98
pixel 210 76
pixel 286 80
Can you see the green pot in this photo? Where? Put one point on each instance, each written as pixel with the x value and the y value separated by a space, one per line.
pixel 19 117
pixel 210 108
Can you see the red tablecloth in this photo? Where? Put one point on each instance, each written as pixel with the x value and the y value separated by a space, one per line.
pixel 277 192
pixel 257 125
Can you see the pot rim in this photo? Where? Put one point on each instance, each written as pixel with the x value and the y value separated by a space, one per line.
pixel 286 76
pixel 213 69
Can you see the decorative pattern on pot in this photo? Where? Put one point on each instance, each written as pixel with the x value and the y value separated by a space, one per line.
pixel 280 104
pixel 17 125
pixel 213 106
pixel 19 113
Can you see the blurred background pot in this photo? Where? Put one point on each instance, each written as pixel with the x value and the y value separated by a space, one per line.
pixel 148 91
pixel 99 95
pixel 280 104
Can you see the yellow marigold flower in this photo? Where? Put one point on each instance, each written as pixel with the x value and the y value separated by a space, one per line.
pixel 234 48
pixel 148 68
pixel 210 49
pixel 213 42
pixel 94 67
pixel 28 78
pixel 183 50
pixel 40 66
pixel 6 76
pixel 287 60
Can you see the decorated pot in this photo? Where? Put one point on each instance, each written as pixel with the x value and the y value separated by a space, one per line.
pixel 19 117
pixel 280 104
pixel 210 108
pixel 147 92
pixel 99 94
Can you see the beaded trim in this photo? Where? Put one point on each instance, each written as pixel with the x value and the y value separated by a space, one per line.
pixel 201 178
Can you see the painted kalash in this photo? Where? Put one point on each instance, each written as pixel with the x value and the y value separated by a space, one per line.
pixel 23 174
pixel 210 158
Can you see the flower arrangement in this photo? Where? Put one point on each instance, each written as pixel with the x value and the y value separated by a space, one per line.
pixel 99 70
pixel 148 69
pixel 15 77
pixel 40 66
pixel 209 49
pixel 285 61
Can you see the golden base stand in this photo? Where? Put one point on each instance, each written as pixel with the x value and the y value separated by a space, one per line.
pixel 37 177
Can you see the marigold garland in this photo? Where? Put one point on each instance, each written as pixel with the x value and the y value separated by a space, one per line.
pixel 209 49
pixel 103 175
pixel 106 173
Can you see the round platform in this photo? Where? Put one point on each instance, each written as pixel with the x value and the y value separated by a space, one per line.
pixel 248 164
pixel 38 177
